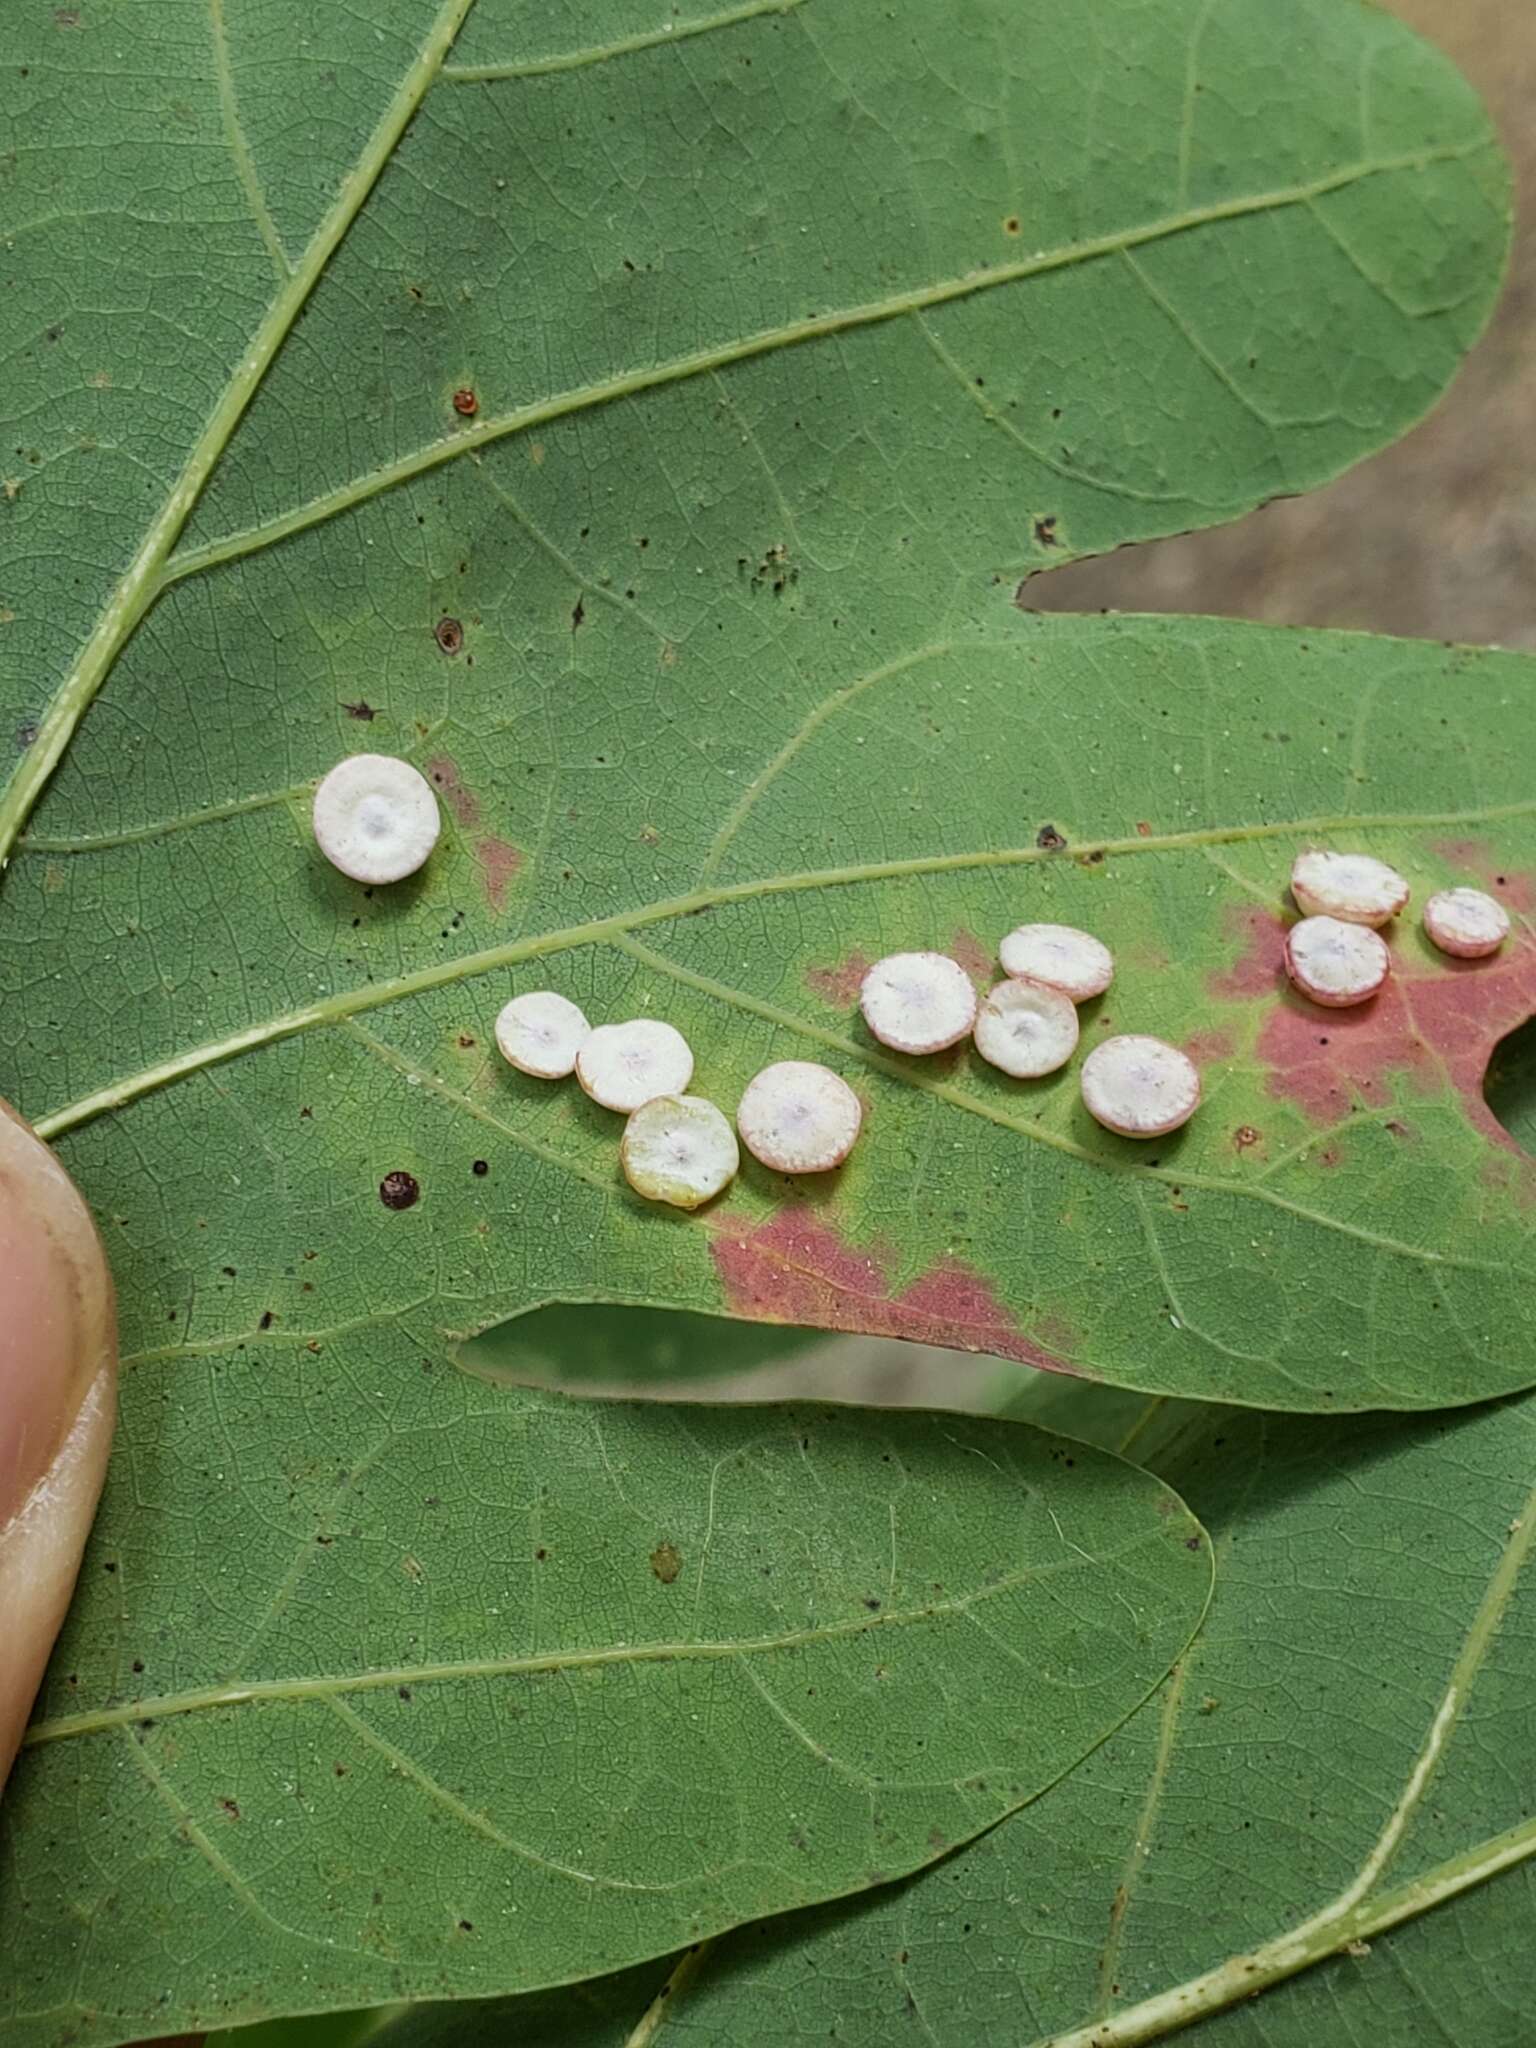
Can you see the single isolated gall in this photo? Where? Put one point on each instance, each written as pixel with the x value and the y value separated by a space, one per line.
pixel 1336 963
pixel 1140 1087
pixel 918 1002
pixel 1026 1028
pixel 624 1066
pixel 1349 886
pixel 798 1117
pixel 1466 923
pixel 679 1149
pixel 541 1033
pixel 1062 957
pixel 376 818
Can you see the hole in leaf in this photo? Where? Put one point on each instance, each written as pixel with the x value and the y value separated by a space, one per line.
pixel 1509 1085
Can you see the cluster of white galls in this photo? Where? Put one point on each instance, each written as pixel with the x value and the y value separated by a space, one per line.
pixel 377 820
pixel 1028 1027
pixel 795 1116
pixel 1336 954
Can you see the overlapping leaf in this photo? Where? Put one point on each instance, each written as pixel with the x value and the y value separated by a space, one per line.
pixel 1339 1769
pixel 386 1686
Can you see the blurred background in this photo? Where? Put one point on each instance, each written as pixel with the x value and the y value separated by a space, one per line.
pixel 1435 538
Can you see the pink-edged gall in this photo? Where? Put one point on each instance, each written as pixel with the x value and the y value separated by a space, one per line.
pixel 624 1066
pixel 1353 887
pixel 798 1117
pixel 1026 1028
pixel 1141 1087
pixel 541 1033
pixel 679 1149
pixel 1077 963
pixel 918 1002
pixel 375 818
pixel 1336 963
pixel 1466 923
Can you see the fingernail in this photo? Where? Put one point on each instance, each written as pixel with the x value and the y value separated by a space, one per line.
pixel 55 1310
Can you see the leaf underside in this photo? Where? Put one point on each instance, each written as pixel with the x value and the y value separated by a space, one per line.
pixel 545 1686
pixel 786 341
pixel 1317 1806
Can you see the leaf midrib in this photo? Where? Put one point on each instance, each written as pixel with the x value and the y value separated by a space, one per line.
pixel 144 578
pixel 205 1699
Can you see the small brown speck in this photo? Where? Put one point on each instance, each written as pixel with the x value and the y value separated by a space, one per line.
pixel 361 709
pixel 1049 840
pixel 666 1562
pixel 399 1190
pixel 449 635
pixel 465 403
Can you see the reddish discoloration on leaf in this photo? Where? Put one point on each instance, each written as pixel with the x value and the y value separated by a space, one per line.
pixel 1259 970
pixel 1206 1047
pixel 1436 1025
pixel 978 960
pixel 443 774
pixel 499 862
pixel 1478 862
pixel 793 1268
pixel 839 985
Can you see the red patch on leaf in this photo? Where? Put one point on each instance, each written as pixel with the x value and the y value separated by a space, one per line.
pixel 443 773
pixel 1259 970
pixel 1478 863
pixel 793 1268
pixel 499 862
pixel 1206 1047
pixel 839 985
pixel 1431 1023
pixel 979 961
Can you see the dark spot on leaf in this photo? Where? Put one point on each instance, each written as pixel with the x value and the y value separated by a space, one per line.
pixel 1045 531
pixel 361 709
pixel 465 403
pixel 1192 1543
pixel 399 1190
pixel 466 1926
pixel 1049 840
pixel 465 1041
pixel 541 1553
pixel 480 1166
pixel 666 1562
pixel 405 1692
pixel 578 613
pixel 25 735
pixel 1244 1136
pixel 449 635
pixel 230 1808
pixel 1011 224
pixel 872 1603
pixel 267 1319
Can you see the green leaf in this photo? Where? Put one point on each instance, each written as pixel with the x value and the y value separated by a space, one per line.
pixel 420 1690
pixel 813 334
pixel 818 729
pixel 584 1345
pixel 1340 1772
